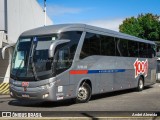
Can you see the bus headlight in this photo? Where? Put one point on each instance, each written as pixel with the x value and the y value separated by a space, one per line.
pixel 11 85
pixel 45 95
pixel 47 86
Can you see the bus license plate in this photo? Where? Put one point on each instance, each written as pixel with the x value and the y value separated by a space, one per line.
pixel 25 96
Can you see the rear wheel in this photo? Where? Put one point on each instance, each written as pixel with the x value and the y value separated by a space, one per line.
pixel 84 93
pixel 140 84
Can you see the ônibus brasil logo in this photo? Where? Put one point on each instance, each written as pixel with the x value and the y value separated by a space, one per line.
pixel 141 67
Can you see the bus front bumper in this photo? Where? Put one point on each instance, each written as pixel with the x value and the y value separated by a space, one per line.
pixel 42 93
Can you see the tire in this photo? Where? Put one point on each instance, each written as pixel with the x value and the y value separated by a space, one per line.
pixel 140 84
pixel 84 93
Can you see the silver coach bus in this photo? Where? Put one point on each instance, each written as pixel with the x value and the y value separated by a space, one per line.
pixel 76 61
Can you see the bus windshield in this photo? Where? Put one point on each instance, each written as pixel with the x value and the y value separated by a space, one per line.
pixel 31 57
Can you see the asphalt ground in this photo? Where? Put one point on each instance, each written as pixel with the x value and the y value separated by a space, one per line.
pixel 126 103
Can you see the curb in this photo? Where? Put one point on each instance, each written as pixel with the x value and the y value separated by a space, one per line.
pixel 4 89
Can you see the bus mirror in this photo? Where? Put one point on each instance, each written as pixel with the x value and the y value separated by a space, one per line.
pixel 6 47
pixel 54 44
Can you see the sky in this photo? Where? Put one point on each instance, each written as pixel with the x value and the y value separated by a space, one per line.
pixel 102 13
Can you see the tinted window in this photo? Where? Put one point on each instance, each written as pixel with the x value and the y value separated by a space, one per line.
pixel 91 45
pixel 122 47
pixel 62 58
pixel 47 38
pixel 151 51
pixel 143 50
pixel 133 49
pixel 95 44
pixel 107 45
pixel 117 52
pixel 153 47
pixel 74 36
pixel 65 53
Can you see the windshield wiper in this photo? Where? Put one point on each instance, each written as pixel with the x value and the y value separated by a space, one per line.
pixel 34 70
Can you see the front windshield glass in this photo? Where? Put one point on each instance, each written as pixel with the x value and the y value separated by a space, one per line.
pixel 31 57
pixel 20 61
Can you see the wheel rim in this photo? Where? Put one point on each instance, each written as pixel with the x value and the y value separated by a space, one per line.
pixel 141 84
pixel 82 93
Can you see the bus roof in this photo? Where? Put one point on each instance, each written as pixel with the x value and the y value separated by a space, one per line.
pixel 46 30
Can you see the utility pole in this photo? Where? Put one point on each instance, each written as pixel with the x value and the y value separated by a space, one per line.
pixel 45 13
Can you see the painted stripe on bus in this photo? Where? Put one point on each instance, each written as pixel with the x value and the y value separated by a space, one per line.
pixel 75 72
pixel 78 72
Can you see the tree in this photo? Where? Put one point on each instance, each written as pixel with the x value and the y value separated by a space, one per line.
pixel 146 26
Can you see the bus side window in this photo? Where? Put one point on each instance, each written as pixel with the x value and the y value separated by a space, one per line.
pixel 132 48
pixel 143 50
pixel 122 46
pixel 63 61
pixel 107 45
pixel 151 50
pixel 117 50
pixel 91 45
pixel 154 50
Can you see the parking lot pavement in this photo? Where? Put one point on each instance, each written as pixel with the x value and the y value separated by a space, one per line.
pixel 121 101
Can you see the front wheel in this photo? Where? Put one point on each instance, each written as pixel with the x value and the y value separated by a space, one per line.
pixel 140 84
pixel 84 93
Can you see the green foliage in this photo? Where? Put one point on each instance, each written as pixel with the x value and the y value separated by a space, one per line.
pixel 146 26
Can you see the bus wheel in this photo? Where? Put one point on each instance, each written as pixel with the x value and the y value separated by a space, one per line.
pixel 140 84
pixel 84 93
